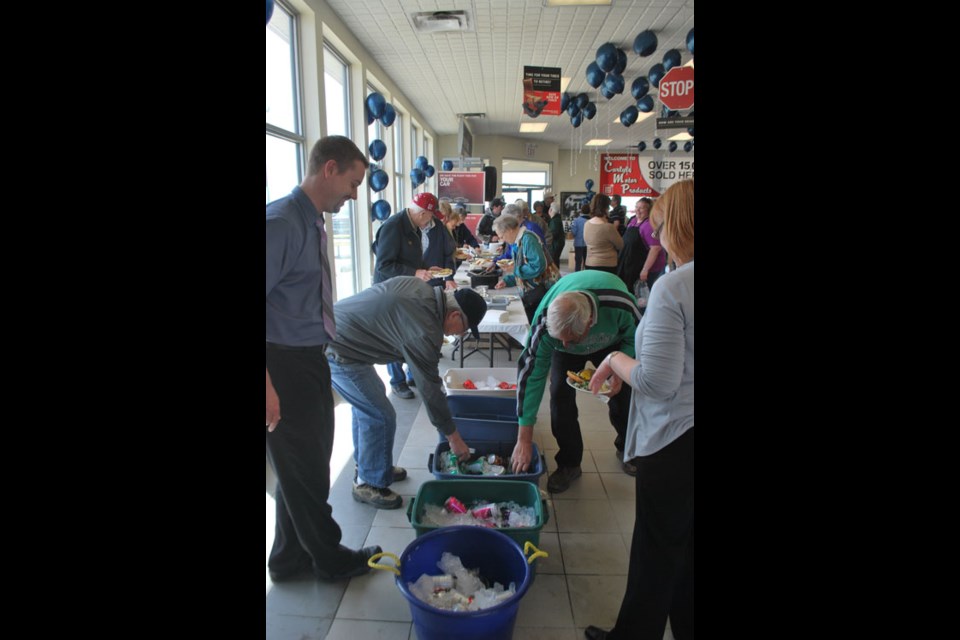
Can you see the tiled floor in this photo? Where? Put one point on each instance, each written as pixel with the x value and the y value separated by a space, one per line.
pixel 587 536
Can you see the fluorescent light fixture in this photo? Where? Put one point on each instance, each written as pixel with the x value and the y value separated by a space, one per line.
pixel 564 83
pixel 689 63
pixel 576 3
pixel 598 142
pixel 681 137
pixel 533 127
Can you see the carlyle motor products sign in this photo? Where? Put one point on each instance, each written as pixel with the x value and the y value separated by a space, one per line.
pixel 632 175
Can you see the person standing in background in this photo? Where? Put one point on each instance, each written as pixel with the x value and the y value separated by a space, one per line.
pixel 660 439
pixel 579 245
pixel 558 237
pixel 618 214
pixel 603 241
pixel 485 226
pixel 299 326
pixel 656 260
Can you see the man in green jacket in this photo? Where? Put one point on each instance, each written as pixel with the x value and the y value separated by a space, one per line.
pixel 584 316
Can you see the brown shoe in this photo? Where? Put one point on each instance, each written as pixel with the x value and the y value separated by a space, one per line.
pixel 630 468
pixel 380 497
pixel 559 480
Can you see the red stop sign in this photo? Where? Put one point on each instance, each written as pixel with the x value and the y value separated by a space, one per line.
pixel 676 89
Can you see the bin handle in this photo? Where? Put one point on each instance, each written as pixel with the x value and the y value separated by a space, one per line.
pixel 430 462
pixel 410 510
pixel 526 547
pixel 372 562
pixel 546 511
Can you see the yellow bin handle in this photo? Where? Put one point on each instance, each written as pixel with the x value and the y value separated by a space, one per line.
pixel 372 562
pixel 538 553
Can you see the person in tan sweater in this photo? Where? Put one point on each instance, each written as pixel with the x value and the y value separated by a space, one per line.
pixel 602 238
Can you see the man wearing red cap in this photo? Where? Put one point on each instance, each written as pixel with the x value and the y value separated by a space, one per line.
pixel 408 243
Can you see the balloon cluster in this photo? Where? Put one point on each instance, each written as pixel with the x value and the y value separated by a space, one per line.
pixel 378 109
pixel 606 71
pixel 578 107
pixel 422 170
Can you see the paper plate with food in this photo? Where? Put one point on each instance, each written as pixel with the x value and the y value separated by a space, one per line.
pixel 580 380
pixel 460 254
pixel 440 273
pixel 504 263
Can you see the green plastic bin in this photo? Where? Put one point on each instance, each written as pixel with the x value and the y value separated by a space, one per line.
pixel 525 494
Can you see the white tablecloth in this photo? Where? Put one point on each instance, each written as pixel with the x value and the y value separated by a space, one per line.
pixel 515 323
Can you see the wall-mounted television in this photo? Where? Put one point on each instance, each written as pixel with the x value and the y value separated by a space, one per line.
pixel 465 139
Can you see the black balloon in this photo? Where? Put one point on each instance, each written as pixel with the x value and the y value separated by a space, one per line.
pixel 582 100
pixel 589 185
pixel 628 116
pixel 573 108
pixel 687 146
pixel 606 92
pixel 375 103
pixel 379 180
pixel 645 103
pixel 656 143
pixel 589 111
pixel 621 62
pixel 656 74
pixel 640 87
pixel 378 150
pixel 671 59
pixel 642 146
pixel 673 146
pixel 690 41
pixel 595 75
pixel 389 115
pixel 614 83
pixel 577 119
pixel 645 43
pixel 429 171
pixel 564 101
pixel 690 131
pixel 607 57
pixel 447 165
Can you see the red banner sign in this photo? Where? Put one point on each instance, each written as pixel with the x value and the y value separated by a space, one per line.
pixel 461 186
pixel 620 174
pixel 541 91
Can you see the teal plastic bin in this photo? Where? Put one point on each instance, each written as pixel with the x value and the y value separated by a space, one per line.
pixel 538 462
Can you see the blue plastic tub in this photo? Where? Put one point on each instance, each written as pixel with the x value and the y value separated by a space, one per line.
pixel 484 418
pixel 504 448
pixel 498 558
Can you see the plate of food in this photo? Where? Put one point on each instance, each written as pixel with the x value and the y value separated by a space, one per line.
pixel 504 263
pixel 460 254
pixel 580 380
pixel 440 273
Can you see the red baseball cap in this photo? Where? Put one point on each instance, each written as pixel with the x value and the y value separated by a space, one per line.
pixel 426 201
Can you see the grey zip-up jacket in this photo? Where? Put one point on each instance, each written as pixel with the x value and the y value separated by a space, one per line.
pixel 400 319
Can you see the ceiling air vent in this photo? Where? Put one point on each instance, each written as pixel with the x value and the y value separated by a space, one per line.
pixel 441 21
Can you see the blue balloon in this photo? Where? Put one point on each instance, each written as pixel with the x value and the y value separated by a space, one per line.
pixel 564 101
pixel 690 131
pixel 640 87
pixel 577 119
pixel 375 104
pixel 447 165
pixel 614 83
pixel 378 150
pixel 573 108
pixel 379 180
pixel 370 117
pixel 671 59
pixel 642 146
pixel 621 62
pixel 645 103
pixel 690 41
pixel 421 163
pixel 389 115
pixel 606 92
pixel 429 171
pixel 270 12
pixel 416 176
pixel 381 210
pixel 589 111
pixel 582 100
pixel 673 146
pixel 645 43
pixel 687 146
pixel 589 195
pixel 656 143
pixel 607 57
pixel 595 75
pixel 656 74
pixel 589 185
pixel 628 116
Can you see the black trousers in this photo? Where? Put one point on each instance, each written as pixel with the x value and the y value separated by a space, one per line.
pixel 564 417
pixel 579 257
pixel 299 450
pixel 660 578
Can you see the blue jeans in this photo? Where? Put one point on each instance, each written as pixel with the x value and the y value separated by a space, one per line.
pixel 374 420
pixel 395 369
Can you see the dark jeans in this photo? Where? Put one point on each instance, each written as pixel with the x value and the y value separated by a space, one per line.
pixel 299 451
pixel 660 577
pixel 579 257
pixel 564 423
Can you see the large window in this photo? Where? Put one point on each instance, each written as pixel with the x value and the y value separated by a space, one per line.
pixel 284 128
pixel 400 177
pixel 336 82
